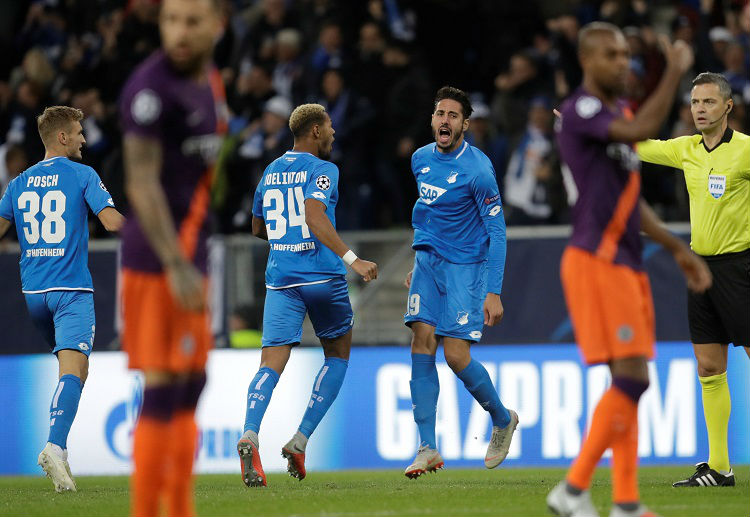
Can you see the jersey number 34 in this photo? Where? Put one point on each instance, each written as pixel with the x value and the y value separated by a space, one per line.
pixel 295 204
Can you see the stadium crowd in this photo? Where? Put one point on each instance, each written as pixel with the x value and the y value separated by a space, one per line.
pixel 375 65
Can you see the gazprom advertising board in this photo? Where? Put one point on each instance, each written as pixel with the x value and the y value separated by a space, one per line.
pixel 371 424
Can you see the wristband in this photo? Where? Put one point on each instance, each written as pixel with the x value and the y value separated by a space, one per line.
pixel 349 257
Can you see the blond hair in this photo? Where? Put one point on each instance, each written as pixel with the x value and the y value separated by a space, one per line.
pixel 304 117
pixel 55 119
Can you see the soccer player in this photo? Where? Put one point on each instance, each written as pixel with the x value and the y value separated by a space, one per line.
pixel 294 209
pixel 606 289
pixel 172 115
pixel 454 288
pixel 49 203
pixel 716 164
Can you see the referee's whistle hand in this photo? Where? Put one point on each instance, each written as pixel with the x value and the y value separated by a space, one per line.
pixel 695 269
pixel 493 309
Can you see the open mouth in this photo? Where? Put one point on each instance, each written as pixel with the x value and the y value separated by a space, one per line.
pixel 444 136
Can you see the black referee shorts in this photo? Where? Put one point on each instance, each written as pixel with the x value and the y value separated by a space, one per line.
pixel 722 314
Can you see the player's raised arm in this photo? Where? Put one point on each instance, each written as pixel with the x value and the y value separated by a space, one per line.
pixel 647 121
pixel 693 267
pixel 143 161
pixel 320 225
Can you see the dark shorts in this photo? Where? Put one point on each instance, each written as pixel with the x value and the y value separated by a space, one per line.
pixel 722 314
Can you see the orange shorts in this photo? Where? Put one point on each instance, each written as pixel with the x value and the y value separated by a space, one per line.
pixel 610 307
pixel 156 333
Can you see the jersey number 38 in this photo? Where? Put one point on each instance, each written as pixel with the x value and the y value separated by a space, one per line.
pixel 53 208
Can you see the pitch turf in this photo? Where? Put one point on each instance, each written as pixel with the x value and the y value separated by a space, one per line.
pixel 381 493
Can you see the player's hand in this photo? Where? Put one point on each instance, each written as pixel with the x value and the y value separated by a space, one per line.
pixel 695 269
pixel 186 285
pixel 407 282
pixel 678 54
pixel 493 309
pixel 366 269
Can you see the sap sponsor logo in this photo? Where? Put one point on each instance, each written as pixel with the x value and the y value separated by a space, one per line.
pixel 452 177
pixel 120 422
pixel 429 194
pixel 490 200
pixel 495 210
pixel 554 400
pixel 424 170
pixel 462 318
pixel 318 195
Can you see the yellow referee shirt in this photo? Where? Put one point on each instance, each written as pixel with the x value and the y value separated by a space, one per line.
pixel 718 184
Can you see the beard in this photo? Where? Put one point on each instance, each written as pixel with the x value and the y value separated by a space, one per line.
pixel 455 137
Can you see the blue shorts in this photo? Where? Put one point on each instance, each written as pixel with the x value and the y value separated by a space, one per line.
pixel 448 296
pixel 326 303
pixel 65 319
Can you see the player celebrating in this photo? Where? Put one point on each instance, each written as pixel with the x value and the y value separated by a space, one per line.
pixel 606 289
pixel 171 110
pixel 454 288
pixel 48 203
pixel 717 172
pixel 294 209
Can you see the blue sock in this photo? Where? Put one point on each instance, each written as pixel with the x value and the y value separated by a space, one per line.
pixel 325 388
pixel 425 388
pixel 477 381
pixel 63 409
pixel 258 396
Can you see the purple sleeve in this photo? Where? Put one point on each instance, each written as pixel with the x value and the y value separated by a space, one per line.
pixel 142 107
pixel 588 117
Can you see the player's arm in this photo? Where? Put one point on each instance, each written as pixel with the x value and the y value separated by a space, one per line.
pixel 661 152
pixel 4 226
pixel 143 161
pixel 489 204
pixel 649 118
pixel 318 222
pixel 259 228
pixel 111 219
pixel 694 268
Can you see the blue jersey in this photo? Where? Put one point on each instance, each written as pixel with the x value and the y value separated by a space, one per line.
pixel 459 214
pixel 296 257
pixel 48 203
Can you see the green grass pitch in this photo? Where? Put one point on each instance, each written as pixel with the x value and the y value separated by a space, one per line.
pixel 449 492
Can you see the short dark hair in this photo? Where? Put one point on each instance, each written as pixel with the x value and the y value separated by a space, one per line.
pixel 449 92
pixel 719 80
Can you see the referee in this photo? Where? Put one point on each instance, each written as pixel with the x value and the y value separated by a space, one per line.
pixel 716 164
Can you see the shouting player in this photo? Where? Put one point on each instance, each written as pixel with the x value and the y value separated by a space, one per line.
pixel 716 164
pixel 606 288
pixel 48 203
pixel 454 288
pixel 294 209
pixel 171 110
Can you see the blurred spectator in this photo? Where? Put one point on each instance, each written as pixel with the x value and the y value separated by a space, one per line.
pixel 251 91
pixel 350 115
pixel 369 72
pixel 528 176
pixel 13 162
pixel 288 73
pixel 735 72
pixel 403 126
pixel 483 135
pixel 256 146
